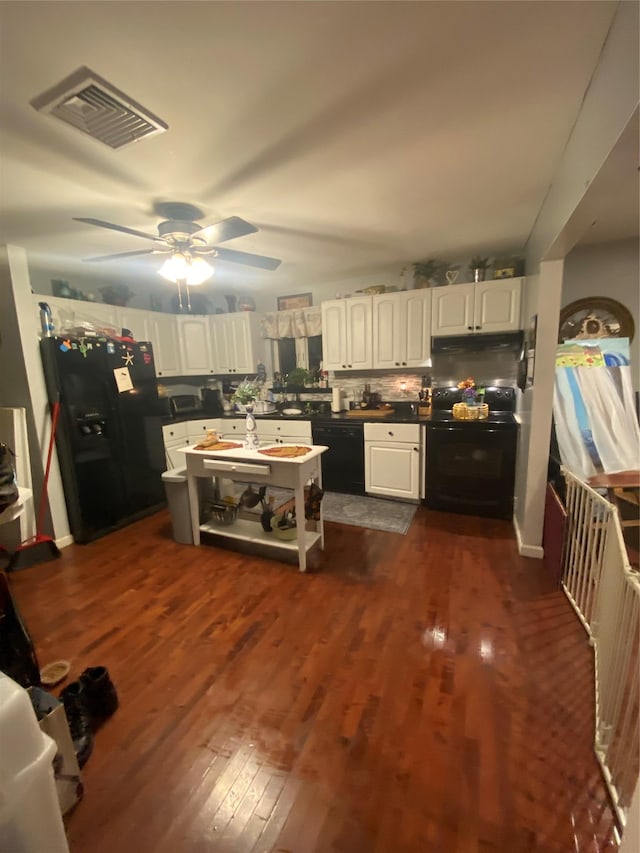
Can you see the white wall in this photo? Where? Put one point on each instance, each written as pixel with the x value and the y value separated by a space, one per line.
pixel 611 270
pixel 22 380
pixel 609 105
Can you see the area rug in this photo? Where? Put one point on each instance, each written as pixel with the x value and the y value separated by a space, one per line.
pixel 357 511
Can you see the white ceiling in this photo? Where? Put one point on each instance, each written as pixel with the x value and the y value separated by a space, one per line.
pixel 358 137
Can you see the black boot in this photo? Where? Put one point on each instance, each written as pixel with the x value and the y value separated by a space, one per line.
pixel 100 693
pixel 73 699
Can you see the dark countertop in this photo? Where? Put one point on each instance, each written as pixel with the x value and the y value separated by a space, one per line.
pixel 400 415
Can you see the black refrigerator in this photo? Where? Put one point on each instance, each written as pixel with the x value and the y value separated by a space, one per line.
pixel 109 437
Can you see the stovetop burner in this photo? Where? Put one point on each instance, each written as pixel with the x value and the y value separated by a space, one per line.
pixel 498 398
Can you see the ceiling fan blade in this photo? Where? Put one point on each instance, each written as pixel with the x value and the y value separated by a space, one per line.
pixel 123 255
pixel 122 228
pixel 224 230
pixel 234 257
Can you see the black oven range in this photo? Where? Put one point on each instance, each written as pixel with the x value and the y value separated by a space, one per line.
pixel 470 464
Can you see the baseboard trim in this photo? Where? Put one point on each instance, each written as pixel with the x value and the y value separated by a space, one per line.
pixel 64 541
pixel 535 551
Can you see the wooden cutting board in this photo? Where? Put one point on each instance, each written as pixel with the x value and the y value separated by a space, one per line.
pixel 369 413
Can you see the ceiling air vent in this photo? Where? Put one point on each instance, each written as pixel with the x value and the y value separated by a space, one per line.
pixel 86 101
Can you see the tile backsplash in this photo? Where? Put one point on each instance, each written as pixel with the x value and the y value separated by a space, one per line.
pixel 388 385
pixel 487 368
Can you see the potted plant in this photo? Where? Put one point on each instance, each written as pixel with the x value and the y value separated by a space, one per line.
pixel 246 393
pixel 297 378
pixel 427 273
pixel 478 267
pixel 116 294
pixel 244 397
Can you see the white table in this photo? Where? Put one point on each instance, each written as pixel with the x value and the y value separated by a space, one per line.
pixel 251 466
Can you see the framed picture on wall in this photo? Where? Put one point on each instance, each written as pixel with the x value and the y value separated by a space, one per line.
pixel 298 300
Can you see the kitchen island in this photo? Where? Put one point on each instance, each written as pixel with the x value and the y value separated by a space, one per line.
pixel 252 466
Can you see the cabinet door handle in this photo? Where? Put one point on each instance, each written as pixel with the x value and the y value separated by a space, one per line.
pixel 397 364
pixel 415 449
pixel 390 433
pixel 404 363
pixel 478 327
pixel 344 365
pixel 470 328
pixel 349 365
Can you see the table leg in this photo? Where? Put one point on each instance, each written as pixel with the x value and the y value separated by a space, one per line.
pixel 321 521
pixel 300 527
pixel 194 508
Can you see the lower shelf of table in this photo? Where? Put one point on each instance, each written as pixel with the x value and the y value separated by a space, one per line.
pixel 251 531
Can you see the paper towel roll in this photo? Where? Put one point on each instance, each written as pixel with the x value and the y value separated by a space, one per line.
pixel 336 400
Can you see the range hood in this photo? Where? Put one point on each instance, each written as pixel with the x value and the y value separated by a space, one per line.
pixel 503 342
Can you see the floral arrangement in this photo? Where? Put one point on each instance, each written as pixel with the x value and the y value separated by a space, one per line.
pixel 470 393
pixel 478 263
pixel 246 392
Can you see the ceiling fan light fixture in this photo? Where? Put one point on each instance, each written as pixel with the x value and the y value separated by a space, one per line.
pixel 184 268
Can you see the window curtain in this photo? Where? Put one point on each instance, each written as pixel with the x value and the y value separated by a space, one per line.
pixel 296 323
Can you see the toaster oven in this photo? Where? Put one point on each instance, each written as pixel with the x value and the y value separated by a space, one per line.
pixel 185 404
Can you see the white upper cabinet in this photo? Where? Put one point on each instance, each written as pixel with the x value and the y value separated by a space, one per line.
pixel 237 341
pixel 196 351
pixel 347 334
pixel 497 305
pixel 452 309
pixel 334 346
pixel 163 334
pixel 137 321
pixel 401 329
pixel 488 306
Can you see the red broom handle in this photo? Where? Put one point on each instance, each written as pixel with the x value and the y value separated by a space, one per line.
pixel 43 493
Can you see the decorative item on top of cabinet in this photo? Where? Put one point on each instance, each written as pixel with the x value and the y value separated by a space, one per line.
pixel 429 273
pixel 478 267
pixel 508 267
pixel 472 308
pixel 116 294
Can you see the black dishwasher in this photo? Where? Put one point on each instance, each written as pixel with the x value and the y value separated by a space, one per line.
pixel 343 462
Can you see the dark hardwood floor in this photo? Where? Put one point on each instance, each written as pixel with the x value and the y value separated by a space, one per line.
pixel 427 693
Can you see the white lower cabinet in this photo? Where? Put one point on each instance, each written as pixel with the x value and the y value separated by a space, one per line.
pixel 270 431
pixel 233 429
pixel 393 460
pixel 284 432
pixel 183 434
pixel 175 436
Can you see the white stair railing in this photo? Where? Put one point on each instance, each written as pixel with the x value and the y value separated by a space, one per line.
pixel 605 593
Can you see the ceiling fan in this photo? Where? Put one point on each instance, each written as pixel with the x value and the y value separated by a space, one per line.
pixel 179 234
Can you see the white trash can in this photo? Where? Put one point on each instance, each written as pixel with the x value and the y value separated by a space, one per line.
pixel 175 487
pixel 30 817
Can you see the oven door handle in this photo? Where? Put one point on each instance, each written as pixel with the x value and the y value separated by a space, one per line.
pixel 457 429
